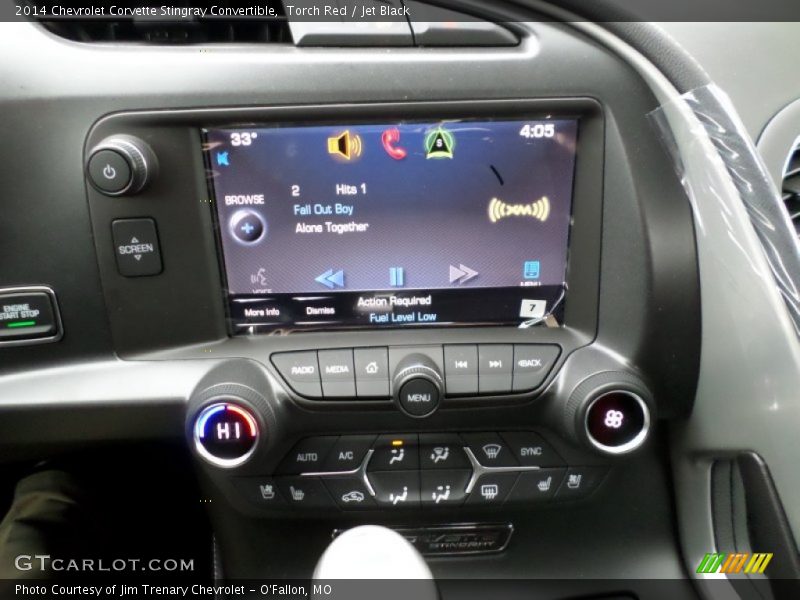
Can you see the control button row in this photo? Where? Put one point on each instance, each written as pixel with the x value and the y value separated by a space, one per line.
pixel 470 370
pixel 336 374
pixel 414 489
pixel 497 368
pixel 426 451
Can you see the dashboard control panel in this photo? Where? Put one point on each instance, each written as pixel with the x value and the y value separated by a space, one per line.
pixel 375 373
pixel 425 470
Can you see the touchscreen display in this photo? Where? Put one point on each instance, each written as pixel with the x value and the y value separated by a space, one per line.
pixel 393 224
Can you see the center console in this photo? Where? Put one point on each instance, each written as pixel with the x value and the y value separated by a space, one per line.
pixel 466 316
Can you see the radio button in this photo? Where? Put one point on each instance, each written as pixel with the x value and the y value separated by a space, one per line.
pixel 494 368
pixel 348 453
pixel 308 455
pixel 372 372
pixel 301 372
pixel 461 369
pixel 490 449
pixel 532 363
pixel 531 450
pixel 337 373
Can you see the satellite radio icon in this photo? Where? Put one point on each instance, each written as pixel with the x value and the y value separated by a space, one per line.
pixel 500 210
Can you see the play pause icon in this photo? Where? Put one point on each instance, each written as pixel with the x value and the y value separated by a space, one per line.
pixel 396 277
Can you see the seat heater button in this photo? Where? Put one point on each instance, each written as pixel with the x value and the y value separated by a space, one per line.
pixel 536 486
pixel 305 492
pixel 580 482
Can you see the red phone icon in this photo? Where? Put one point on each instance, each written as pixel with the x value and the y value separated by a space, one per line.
pixel 389 138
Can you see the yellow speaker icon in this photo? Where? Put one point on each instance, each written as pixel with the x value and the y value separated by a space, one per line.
pixel 538 210
pixel 346 145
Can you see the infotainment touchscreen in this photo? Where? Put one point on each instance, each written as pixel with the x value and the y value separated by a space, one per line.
pixel 395 224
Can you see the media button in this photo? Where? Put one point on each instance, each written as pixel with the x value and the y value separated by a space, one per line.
pixel 336 370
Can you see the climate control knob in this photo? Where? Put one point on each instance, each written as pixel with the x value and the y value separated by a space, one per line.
pixel 225 434
pixel 418 385
pixel 610 412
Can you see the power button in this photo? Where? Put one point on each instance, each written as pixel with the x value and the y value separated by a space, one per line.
pixel 109 171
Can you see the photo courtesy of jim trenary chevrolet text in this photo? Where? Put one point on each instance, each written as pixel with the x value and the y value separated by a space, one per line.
pixel 400 299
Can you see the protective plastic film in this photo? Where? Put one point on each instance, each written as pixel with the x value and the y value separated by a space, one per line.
pixel 703 126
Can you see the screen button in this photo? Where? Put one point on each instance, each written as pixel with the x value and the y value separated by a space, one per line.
pixel 136 247
pixel 247 226
pixel 372 372
pixel 494 368
pixel 336 370
pixel 461 369
pixel 532 363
